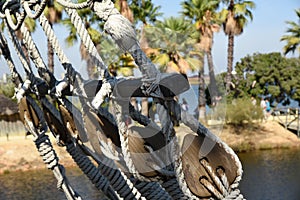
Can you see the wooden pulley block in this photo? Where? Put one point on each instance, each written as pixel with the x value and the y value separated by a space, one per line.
pixel 198 152
pixel 28 112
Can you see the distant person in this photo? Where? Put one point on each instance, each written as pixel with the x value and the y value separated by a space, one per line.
pixel 263 106
pixel 268 107
pixel 184 105
pixel 253 101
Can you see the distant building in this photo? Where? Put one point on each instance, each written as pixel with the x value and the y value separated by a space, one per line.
pixel 9 117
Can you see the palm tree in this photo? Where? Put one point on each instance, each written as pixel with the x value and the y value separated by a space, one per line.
pixel 53 13
pixel 90 21
pixel 203 14
pixel 144 11
pixel 31 26
pixel 172 45
pixel 235 18
pixel 124 9
pixel 293 38
pixel 119 64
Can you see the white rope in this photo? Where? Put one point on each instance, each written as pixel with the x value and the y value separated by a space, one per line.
pixel 75 5
pixel 88 43
pixel 38 8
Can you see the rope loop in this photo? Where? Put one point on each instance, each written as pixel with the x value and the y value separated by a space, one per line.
pixel 32 8
pixel 20 17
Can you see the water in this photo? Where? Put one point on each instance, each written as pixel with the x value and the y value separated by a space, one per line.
pixel 41 185
pixel 268 175
pixel 272 174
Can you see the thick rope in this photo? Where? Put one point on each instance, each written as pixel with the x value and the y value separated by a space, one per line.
pixel 41 140
pixel 12 7
pixel 19 50
pixel 75 5
pixel 38 8
pixel 46 150
pixel 91 171
pixel 126 42
pixel 88 43
pixel 152 191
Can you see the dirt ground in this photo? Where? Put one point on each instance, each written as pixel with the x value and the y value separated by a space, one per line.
pixel 20 154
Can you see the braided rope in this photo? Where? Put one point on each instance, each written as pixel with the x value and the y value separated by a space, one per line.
pixel 50 34
pixel 34 52
pixel 124 136
pixel 46 150
pixel 152 190
pixel 222 183
pixel 99 180
pixel 119 180
pixel 87 41
pixel 38 8
pixel 19 50
pixel 75 5
pixel 12 6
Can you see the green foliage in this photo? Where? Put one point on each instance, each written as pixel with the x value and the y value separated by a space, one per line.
pixel 144 11
pixel 174 39
pixel 292 39
pixel 7 89
pixel 241 111
pixel 118 63
pixel 267 74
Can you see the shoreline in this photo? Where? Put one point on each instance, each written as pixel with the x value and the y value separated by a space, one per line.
pixel 20 154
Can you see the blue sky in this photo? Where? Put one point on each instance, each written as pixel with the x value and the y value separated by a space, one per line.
pixel 261 35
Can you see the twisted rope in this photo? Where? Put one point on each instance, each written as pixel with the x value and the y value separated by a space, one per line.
pixel 152 190
pixel 18 49
pixel 119 180
pixel 38 8
pixel 75 5
pixel 228 191
pixel 126 192
pixel 46 150
pixel 88 43
pixel 12 7
pixel 91 171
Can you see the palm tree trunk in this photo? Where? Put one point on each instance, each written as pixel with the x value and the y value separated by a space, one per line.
pixel 50 57
pixel 91 69
pixel 212 86
pixel 201 97
pixel 145 106
pixel 229 61
pixel 144 46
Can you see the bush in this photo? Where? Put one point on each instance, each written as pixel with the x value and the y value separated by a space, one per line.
pixel 7 89
pixel 242 111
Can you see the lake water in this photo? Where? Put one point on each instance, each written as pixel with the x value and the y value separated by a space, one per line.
pixel 268 175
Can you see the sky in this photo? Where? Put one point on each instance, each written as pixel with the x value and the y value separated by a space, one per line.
pixel 261 35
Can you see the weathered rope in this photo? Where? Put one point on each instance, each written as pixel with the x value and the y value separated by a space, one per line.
pixel 75 5
pixel 38 8
pixel 88 43
pixel 152 190
pixel 12 7
pixel 41 140
pixel 91 171
pixel 50 34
